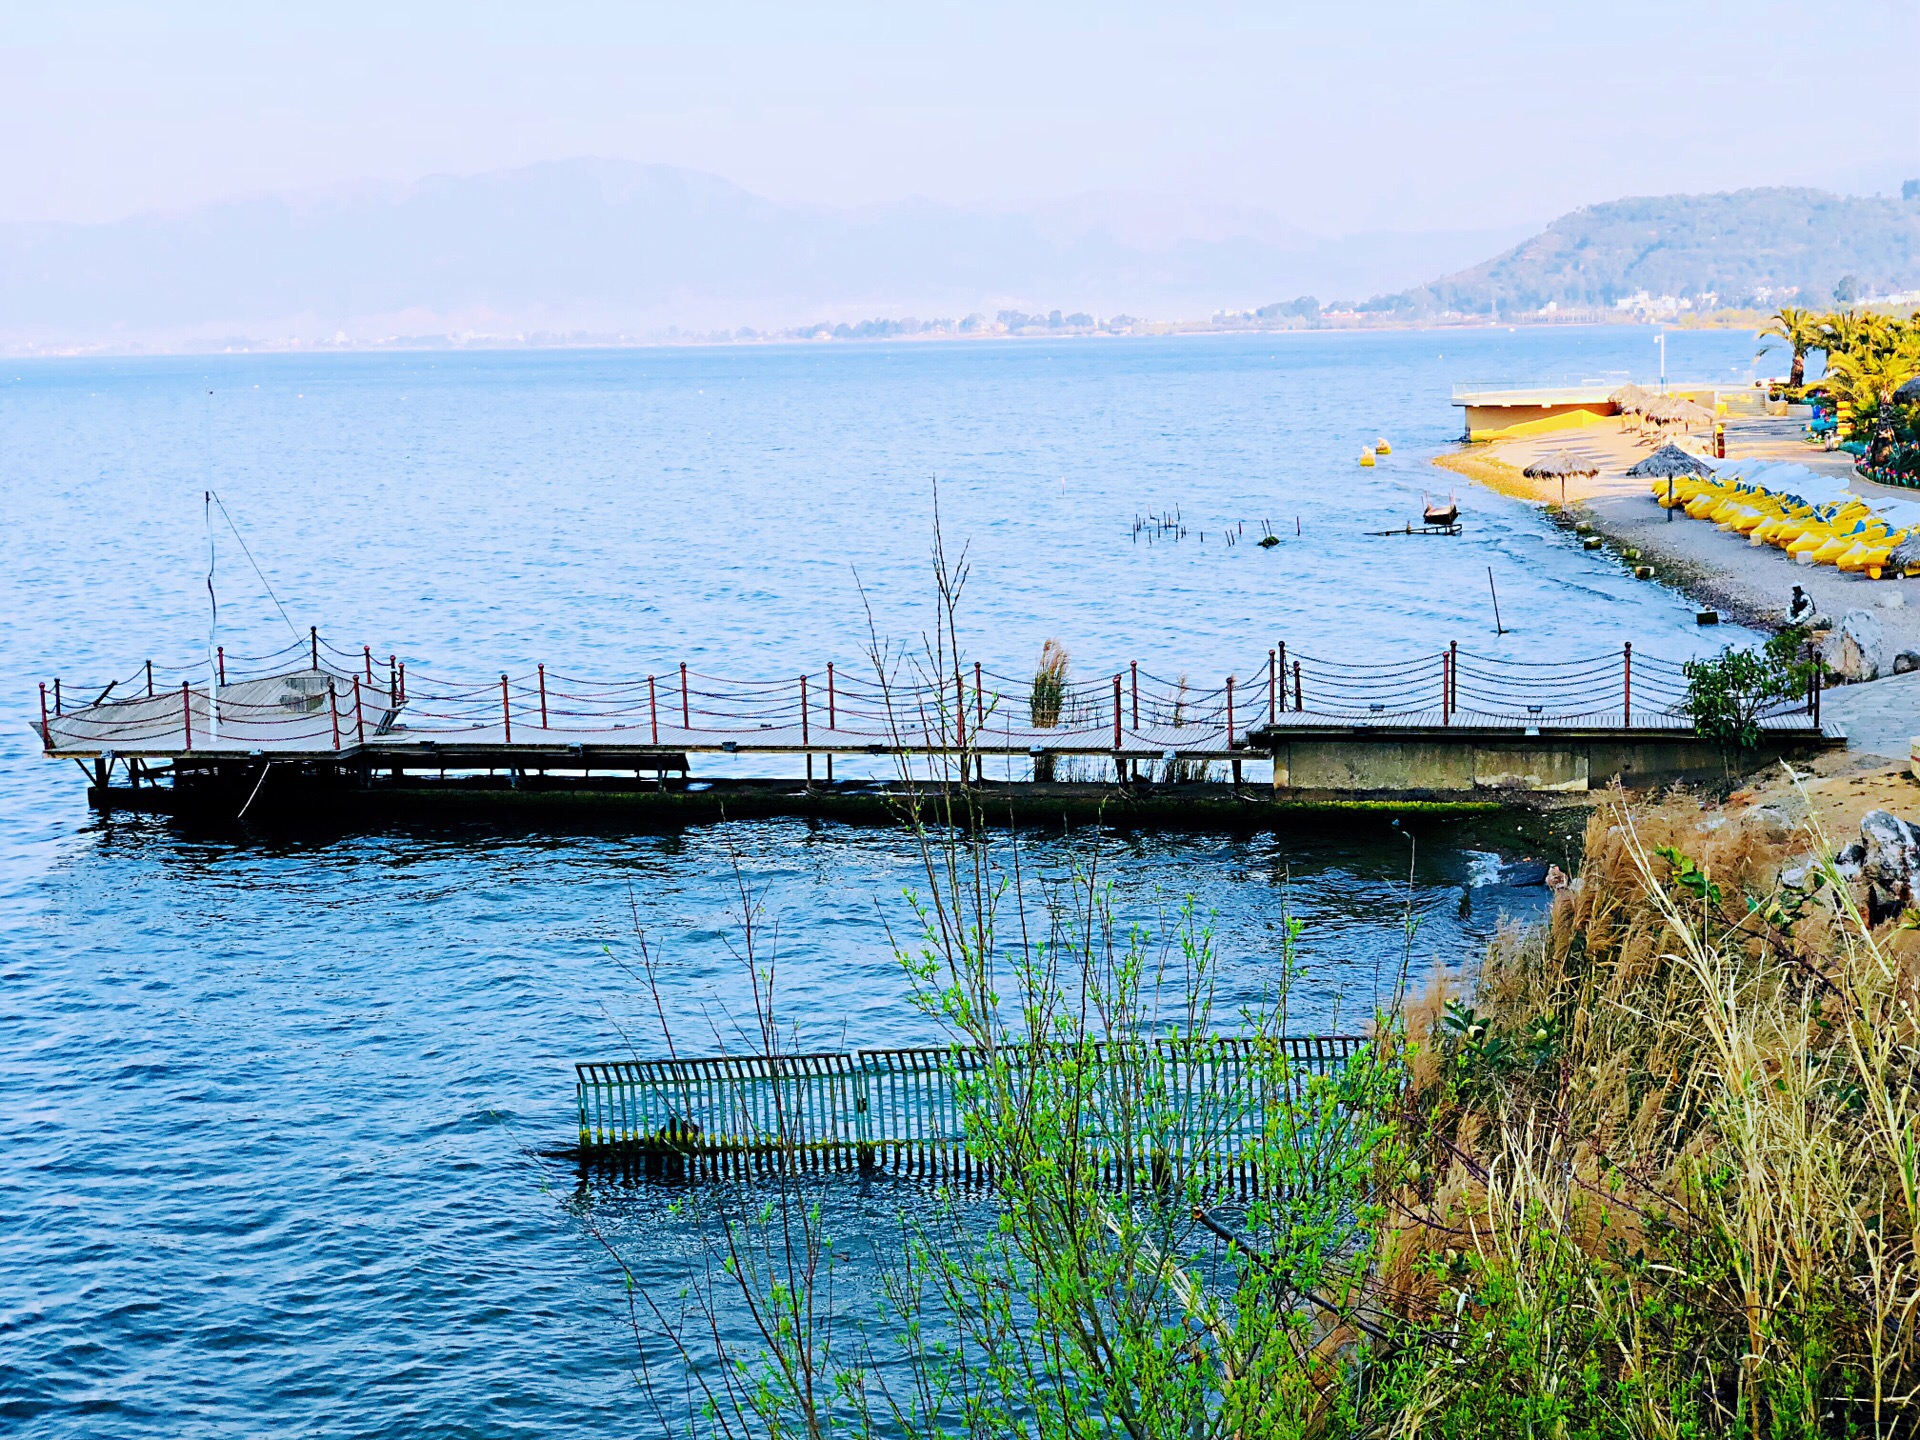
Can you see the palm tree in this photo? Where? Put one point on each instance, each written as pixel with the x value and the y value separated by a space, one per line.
pixel 1801 329
pixel 1865 377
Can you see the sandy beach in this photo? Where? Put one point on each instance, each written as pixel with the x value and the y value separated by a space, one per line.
pixel 1718 568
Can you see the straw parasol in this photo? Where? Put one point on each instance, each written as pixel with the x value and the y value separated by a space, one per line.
pixel 1630 399
pixel 1669 460
pixel 1684 413
pixel 1561 465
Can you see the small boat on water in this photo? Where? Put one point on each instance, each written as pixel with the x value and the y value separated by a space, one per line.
pixel 1432 514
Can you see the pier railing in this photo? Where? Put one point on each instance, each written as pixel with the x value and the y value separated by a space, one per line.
pixel 1175 1105
pixel 315 698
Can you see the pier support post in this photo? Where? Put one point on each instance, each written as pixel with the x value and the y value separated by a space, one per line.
pixel 1626 686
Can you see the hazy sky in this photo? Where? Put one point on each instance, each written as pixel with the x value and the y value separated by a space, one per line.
pixel 1337 116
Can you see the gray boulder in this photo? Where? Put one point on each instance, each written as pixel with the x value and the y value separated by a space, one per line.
pixel 1858 649
pixel 1906 662
pixel 1889 864
pixel 1905 556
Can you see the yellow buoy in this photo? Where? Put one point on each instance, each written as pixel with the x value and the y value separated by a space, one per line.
pixel 1366 456
pixel 1380 446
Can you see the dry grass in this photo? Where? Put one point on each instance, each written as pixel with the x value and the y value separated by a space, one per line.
pixel 1049 685
pixel 1676 1134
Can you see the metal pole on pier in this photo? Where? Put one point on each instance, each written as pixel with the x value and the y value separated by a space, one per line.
pixel 1236 758
pixel 1133 673
pixel 960 722
pixel 359 714
pixel 833 720
pixel 1270 685
pixel 1446 688
pixel 313 641
pixel 403 682
pixel 686 705
pixel 149 679
pixel 220 662
pixel 543 696
pixel 1626 690
pixel 46 739
pixel 805 733
pixel 393 682
pixel 653 711
pixel 186 716
pixel 1453 674
pixel 366 653
pixel 59 707
pixel 979 701
pixel 506 711
pixel 1297 703
pixel 1116 726
pixel 333 709
pixel 1283 674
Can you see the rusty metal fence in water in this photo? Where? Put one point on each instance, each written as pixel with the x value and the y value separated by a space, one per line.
pixel 1150 1106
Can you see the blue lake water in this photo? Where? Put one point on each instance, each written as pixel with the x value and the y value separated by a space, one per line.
pixel 268 1102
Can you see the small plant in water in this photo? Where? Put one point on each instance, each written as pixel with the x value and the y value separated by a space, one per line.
pixel 1049 685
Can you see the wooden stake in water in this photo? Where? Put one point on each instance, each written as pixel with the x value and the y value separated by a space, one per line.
pixel 1498 628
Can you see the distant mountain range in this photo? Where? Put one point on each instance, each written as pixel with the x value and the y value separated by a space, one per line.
pixel 1744 247
pixel 612 248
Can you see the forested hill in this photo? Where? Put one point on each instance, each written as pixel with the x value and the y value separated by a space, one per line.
pixel 1743 247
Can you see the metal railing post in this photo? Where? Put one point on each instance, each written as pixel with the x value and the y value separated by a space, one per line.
pixel 506 711
pixel 543 696
pixel 333 710
pixel 1626 691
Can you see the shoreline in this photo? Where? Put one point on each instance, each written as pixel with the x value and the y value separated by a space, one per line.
pixel 1751 585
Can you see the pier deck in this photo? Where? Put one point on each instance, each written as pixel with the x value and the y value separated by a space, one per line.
pixel 1451 723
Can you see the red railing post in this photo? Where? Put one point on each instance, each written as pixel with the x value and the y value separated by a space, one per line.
pixel 46 738
pixel 1229 712
pixel 1626 689
pixel 1453 673
pixel 359 715
pixel 333 710
pixel 1298 704
pixel 1116 725
pixel 1283 675
pixel 653 711
pixel 220 662
pixel 366 654
pixel 543 696
pixel 686 705
pixel 805 735
pixel 1270 680
pixel 506 711
pixel 186 716
pixel 833 720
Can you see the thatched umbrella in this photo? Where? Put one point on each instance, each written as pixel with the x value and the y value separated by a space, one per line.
pixel 1629 399
pixel 1669 460
pixel 1559 466
pixel 1684 413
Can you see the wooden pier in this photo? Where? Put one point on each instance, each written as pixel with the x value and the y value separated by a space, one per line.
pixel 317 729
